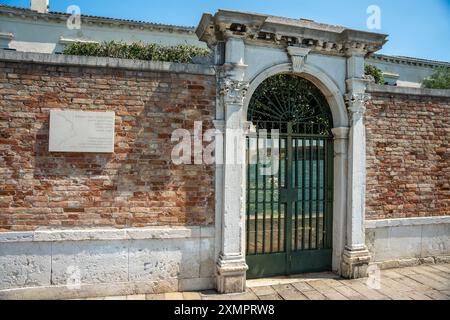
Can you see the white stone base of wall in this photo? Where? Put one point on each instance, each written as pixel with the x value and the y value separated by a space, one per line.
pixel 408 242
pixel 62 264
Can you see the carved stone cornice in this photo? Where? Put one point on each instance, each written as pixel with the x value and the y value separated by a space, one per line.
pixel 277 31
pixel 354 48
pixel 33 16
pixel 233 91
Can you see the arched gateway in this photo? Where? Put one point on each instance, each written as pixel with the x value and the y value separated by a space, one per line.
pixel 289 207
pixel 311 216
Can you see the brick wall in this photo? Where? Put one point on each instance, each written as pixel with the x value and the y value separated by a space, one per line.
pixel 408 156
pixel 137 185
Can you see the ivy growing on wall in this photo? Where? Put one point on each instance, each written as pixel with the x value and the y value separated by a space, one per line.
pixel 137 51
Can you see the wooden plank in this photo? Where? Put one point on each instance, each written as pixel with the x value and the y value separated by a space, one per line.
pixel 415 285
pixel 270 297
pixel 428 281
pixel 263 291
pixel 396 285
pixel 392 274
pixel 350 293
pixel 441 267
pixel 303 286
pixel 416 295
pixel 436 295
pixel 288 292
pixel 319 285
pixel 332 294
pixel 439 276
pixel 393 294
pixel 371 294
pixel 314 295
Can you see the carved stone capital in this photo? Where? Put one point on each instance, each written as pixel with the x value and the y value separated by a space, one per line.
pixel 234 91
pixel 298 56
pixel 357 98
pixel 356 104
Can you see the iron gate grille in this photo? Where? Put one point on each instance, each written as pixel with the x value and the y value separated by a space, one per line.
pixel 289 213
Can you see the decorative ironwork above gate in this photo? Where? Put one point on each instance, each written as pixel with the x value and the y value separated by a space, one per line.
pixel 286 98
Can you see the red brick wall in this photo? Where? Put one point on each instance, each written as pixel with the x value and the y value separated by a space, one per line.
pixel 408 156
pixel 137 185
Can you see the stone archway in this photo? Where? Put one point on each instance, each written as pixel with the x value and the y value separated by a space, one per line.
pixel 318 77
pixel 289 211
pixel 250 47
pixel 340 130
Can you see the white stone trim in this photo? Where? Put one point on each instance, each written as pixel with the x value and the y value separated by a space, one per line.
pixel 394 242
pixel 61 17
pixel 270 30
pixel 6 35
pixel 108 234
pixel 374 88
pixel 339 194
pixel 109 262
pixel 87 290
pixel 231 265
pixel 409 61
pixel 102 62
pixel 403 222
pixel 404 263
pixel 107 289
pixel 64 40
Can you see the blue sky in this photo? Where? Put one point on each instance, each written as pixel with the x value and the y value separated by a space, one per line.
pixel 416 28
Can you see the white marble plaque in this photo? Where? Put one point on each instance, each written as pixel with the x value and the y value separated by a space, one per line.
pixel 81 131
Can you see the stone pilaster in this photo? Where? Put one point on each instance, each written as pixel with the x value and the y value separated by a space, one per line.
pixel 231 266
pixel 340 194
pixel 356 257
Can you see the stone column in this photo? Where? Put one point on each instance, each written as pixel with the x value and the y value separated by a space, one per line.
pixel 356 257
pixel 340 194
pixel 231 267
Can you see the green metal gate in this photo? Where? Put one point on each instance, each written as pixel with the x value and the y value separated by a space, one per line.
pixel 289 210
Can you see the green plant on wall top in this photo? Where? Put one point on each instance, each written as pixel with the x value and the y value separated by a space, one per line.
pixel 440 79
pixel 375 72
pixel 137 51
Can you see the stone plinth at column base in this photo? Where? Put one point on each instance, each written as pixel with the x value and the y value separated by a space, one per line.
pixel 231 275
pixel 355 263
